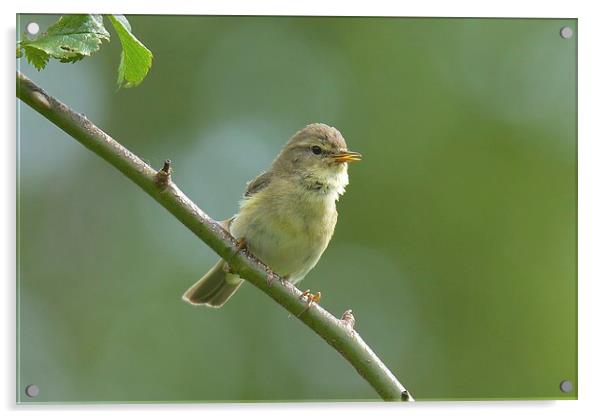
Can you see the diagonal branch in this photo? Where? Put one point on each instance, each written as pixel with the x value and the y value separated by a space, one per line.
pixel 337 333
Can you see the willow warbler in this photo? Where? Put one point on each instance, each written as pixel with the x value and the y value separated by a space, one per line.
pixel 288 213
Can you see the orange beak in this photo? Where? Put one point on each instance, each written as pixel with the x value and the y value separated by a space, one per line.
pixel 347 157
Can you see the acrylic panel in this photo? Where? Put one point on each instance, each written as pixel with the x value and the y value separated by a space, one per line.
pixel 455 244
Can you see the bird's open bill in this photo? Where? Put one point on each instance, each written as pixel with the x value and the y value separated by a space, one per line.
pixel 347 156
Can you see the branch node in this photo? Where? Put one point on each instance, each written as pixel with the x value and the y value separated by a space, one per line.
pixel 41 98
pixel 163 176
pixel 348 319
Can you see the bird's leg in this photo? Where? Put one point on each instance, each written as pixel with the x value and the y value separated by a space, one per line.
pixel 241 244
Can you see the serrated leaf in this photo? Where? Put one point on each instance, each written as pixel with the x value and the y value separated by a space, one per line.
pixel 70 39
pixel 36 57
pixel 136 59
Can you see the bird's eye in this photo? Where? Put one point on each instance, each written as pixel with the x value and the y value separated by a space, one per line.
pixel 316 150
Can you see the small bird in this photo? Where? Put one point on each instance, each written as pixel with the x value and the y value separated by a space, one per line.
pixel 288 213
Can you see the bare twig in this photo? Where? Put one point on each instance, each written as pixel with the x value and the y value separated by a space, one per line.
pixel 163 176
pixel 159 186
pixel 348 319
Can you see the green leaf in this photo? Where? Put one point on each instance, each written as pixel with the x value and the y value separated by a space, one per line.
pixel 136 59
pixel 36 57
pixel 70 39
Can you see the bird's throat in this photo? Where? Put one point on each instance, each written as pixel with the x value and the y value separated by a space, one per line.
pixel 325 183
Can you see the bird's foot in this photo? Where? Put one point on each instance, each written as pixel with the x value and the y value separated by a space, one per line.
pixel 241 244
pixel 269 276
pixel 310 298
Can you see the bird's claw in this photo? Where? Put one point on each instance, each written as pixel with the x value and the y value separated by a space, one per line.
pixel 310 298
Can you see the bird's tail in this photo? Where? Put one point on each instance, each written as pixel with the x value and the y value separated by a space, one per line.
pixel 213 289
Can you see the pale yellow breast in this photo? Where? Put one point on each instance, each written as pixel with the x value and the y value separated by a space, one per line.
pixel 287 227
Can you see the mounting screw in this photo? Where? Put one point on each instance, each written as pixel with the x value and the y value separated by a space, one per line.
pixel 566 386
pixel 32 28
pixel 32 390
pixel 566 32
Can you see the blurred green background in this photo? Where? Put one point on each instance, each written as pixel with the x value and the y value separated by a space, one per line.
pixel 456 240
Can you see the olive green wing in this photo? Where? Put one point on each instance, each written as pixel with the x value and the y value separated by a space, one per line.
pixel 257 184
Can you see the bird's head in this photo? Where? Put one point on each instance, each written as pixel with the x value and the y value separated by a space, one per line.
pixel 318 153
